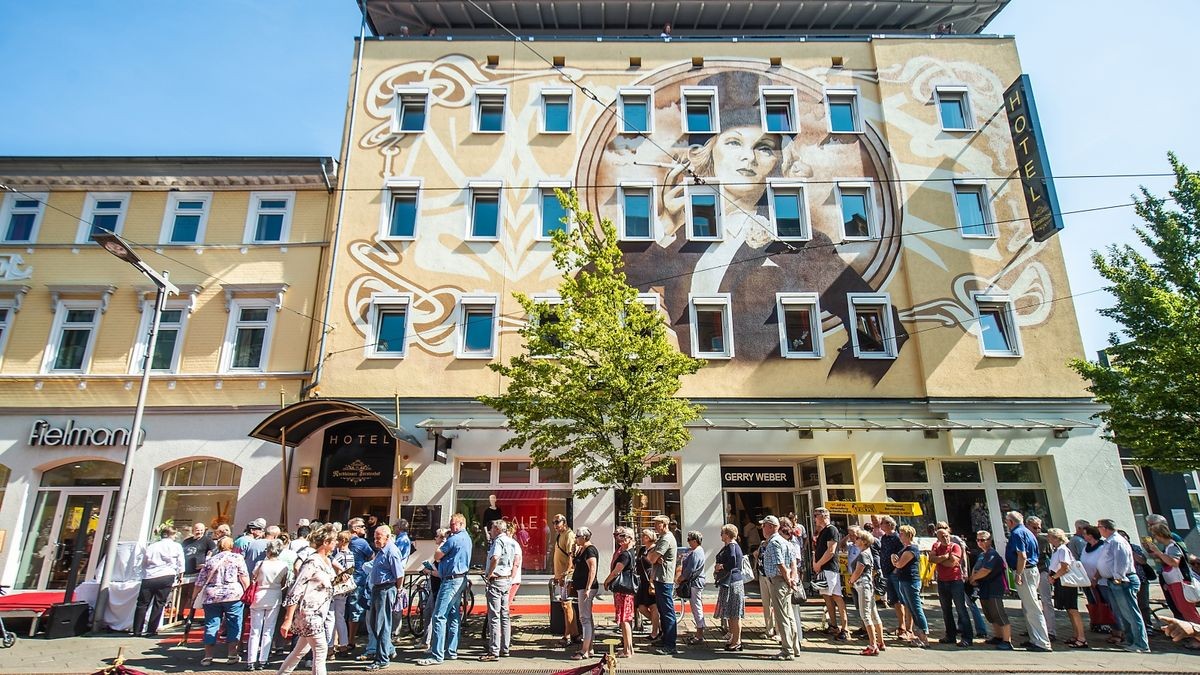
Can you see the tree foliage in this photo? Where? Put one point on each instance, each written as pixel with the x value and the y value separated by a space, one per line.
pixel 1152 387
pixel 597 387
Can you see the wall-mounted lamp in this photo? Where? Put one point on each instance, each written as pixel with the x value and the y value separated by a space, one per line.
pixel 305 483
pixel 406 481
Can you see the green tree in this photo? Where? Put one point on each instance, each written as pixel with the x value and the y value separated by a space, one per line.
pixel 1152 384
pixel 597 387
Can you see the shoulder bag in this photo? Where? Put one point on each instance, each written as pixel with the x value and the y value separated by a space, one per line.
pixel 626 581
pixel 343 582
pixel 747 568
pixel 1191 585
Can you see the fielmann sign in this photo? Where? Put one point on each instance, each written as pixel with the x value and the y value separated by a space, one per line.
pixel 1032 164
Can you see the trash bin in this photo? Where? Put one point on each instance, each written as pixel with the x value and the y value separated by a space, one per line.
pixel 557 621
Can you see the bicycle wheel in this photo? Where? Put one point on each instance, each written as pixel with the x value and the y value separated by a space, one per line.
pixel 9 639
pixel 468 601
pixel 419 605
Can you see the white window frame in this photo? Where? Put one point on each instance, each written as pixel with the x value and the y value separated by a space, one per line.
pixel 489 93
pixel 379 303
pixel 847 93
pixel 465 303
pixel 236 305
pixel 646 93
pixel 981 187
pixel 476 188
pixel 409 93
pixel 813 302
pixel 691 190
pixel 9 208
pixel 556 93
pixel 643 187
pixel 880 300
pixel 60 324
pixel 6 324
pixel 1013 331
pixel 725 302
pixel 546 299
pixel 184 307
pixel 868 188
pixel 545 186
pixel 83 234
pixel 963 94
pixel 714 112
pixel 801 191
pixel 787 95
pixel 168 224
pixel 255 209
pixel 395 187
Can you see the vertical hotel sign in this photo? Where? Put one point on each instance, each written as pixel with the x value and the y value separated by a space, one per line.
pixel 1032 163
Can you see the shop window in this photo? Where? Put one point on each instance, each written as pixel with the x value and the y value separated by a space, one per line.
pixel 810 474
pixel 73 336
pixel 843 111
pixel 186 217
pixel 904 472
pixel 485 210
pixel 21 216
pixel 636 210
pixel 922 496
pixel 1189 479
pixel 1018 472
pixel 635 110
pixel 789 212
pixel 700 110
pixel 1027 502
pixel 799 325
pixel 411 108
pixel 475 472
pixel 103 212
pixel 554 214
pixel 703 214
pixel 5 473
pixel 515 472
pixel 197 491
pixel 556 111
pixel 954 108
pixel 477 327
pixel 269 219
pixel 839 472
pixel 489 110
pixel 971 207
pixel 854 199
pixel 961 472
pixel 778 106
pixel 712 334
pixel 872 333
pixel 657 495
pixel 88 473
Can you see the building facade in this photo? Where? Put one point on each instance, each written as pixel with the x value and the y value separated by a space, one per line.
pixel 834 221
pixel 244 240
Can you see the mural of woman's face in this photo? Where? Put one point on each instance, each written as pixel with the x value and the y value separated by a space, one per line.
pixel 745 155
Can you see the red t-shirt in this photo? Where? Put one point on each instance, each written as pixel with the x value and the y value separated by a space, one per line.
pixel 944 572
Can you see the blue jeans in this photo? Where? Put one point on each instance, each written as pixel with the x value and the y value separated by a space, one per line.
pixel 1124 600
pixel 231 613
pixel 379 623
pixel 893 589
pixel 447 613
pixel 910 595
pixel 953 599
pixel 980 625
pixel 664 598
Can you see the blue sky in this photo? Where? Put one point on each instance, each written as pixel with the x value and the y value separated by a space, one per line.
pixel 221 77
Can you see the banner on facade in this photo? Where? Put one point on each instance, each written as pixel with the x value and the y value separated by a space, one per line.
pixel 875 508
pixel 1033 166
pixel 357 454
pixel 758 476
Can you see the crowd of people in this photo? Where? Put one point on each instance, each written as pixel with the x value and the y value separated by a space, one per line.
pixel 310 592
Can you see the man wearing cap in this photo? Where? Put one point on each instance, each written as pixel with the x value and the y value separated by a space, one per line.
pixel 779 562
pixel 662 557
pixel 254 530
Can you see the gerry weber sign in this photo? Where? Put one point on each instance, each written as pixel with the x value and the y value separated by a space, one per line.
pixel 758 477
pixel 357 454
pixel 43 433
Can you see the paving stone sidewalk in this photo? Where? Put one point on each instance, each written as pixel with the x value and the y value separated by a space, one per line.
pixel 535 651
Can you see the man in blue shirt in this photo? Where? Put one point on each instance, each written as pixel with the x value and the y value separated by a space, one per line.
pixel 401 540
pixel 1117 565
pixel 453 560
pixel 1021 554
pixel 387 574
pixel 357 603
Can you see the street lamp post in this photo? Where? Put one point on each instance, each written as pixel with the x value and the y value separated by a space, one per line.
pixel 114 245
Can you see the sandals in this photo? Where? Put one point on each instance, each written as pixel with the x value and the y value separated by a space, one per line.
pixel 206 661
pixel 579 656
pixel 694 640
pixel 1076 644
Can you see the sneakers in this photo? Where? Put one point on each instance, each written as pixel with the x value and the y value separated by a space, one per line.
pixel 784 656
pixel 429 662
pixel 1004 646
pixel 663 651
pixel 947 640
pixel 1135 650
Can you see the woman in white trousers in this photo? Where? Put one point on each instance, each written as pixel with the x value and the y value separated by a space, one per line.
pixel 272 576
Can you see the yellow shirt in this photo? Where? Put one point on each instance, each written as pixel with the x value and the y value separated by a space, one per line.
pixel 563 543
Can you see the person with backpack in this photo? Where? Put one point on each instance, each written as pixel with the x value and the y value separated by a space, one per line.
pixel 729 575
pixel 864 579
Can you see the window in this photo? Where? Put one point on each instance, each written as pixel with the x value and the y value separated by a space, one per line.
pixel 843 111
pixel 997 326
pixel 779 110
pixel 971 206
pixel 799 325
pixel 700 110
pixel 73 336
pixel 22 215
pixel 388 325
pixel 556 111
pixel 269 218
pixel 5 474
pixel 248 340
pixel 198 491
pixel 1189 481
pixel 871 319
pixel 712 329
pixel 554 214
pixel 789 211
pixel 411 110
pixel 855 202
pixel 477 327
pixel 186 216
pixel 636 210
pixel 703 214
pixel 1018 472
pixel 489 110
pixel 954 108
pixel 657 495
pixel 168 344
pixel 102 212
pixel 401 213
pixel 7 310
pixel 547 312
pixel 635 110
pixel 961 472
pixel 485 210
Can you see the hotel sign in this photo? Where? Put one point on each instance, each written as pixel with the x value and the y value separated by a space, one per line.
pixel 1033 166
pixel 72 435
pixel 357 454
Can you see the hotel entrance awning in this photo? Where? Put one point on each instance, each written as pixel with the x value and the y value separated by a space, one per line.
pixel 291 425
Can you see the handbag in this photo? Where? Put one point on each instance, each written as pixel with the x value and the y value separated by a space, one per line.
pixel 1076 576
pixel 251 591
pixel 343 582
pixel 625 582
pixel 747 568
pixel 799 595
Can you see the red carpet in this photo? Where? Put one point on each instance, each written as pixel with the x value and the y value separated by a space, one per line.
pixel 29 600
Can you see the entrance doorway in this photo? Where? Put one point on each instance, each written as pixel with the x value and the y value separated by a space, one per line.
pixel 71 521
pixel 373 502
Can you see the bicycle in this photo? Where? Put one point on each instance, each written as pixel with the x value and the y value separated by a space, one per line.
pixel 7 639
pixel 420 604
